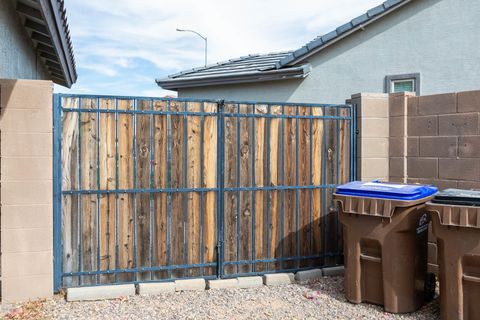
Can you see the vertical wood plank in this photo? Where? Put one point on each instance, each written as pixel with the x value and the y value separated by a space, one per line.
pixel 344 147
pixel 290 228
pixel 70 214
pixel 246 144
pixel 230 198
pixel 210 181
pixel 194 169
pixel 88 164
pixel 160 182
pixel 317 149
pixel 304 223
pixel 275 181
pixel 177 181
pixel 330 215
pixel 143 182
pixel 260 196
pixel 125 181
pixel 107 182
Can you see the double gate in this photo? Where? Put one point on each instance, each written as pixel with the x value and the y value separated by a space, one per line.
pixel 150 189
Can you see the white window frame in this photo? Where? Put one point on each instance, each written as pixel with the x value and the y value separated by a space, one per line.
pixel 390 80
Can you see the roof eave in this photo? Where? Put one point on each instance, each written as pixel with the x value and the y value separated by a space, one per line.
pixel 271 75
pixel 47 21
pixel 304 52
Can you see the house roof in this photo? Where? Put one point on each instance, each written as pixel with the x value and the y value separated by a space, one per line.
pixel 339 33
pixel 284 62
pixel 251 68
pixel 46 24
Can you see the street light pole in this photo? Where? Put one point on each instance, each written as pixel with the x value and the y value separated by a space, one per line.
pixel 198 34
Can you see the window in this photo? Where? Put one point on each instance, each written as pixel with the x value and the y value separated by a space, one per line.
pixel 402 83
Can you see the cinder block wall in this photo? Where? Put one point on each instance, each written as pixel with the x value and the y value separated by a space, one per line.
pixel 442 139
pixel 435 140
pixel 26 189
pixel 373 136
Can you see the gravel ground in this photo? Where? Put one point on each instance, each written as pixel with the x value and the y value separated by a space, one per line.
pixel 322 299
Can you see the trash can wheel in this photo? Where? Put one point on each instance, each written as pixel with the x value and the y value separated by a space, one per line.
pixel 430 286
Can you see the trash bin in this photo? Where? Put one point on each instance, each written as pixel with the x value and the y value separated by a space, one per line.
pixel 456 224
pixel 385 229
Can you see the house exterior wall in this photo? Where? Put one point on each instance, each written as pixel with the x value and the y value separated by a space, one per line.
pixel 436 38
pixel 18 58
pixel 26 190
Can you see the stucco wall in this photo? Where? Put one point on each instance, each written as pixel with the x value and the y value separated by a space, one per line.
pixel 437 38
pixel 18 59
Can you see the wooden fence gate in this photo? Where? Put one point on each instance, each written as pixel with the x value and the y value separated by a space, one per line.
pixel 150 189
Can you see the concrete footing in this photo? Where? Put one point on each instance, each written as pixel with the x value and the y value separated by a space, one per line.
pixel 155 288
pixel 190 284
pixel 308 275
pixel 250 282
pixel 222 284
pixel 100 292
pixel 334 271
pixel 278 279
pixel 273 279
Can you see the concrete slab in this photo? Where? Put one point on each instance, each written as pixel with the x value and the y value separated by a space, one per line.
pixel 155 288
pixel 190 284
pixel 278 279
pixel 100 292
pixel 308 275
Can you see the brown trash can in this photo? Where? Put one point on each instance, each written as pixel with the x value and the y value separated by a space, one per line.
pixel 385 250
pixel 457 228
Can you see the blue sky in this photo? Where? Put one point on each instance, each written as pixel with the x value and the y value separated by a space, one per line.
pixel 121 46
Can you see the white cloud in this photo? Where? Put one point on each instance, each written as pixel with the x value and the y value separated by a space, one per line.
pixel 118 38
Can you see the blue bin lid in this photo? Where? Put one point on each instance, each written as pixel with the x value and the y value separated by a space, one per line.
pixel 391 191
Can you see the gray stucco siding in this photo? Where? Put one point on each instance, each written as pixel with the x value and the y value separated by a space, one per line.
pixel 437 38
pixel 18 59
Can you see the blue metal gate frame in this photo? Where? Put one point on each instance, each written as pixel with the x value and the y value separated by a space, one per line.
pixel 59 109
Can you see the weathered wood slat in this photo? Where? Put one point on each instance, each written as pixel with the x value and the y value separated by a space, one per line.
pixel 230 198
pixel 317 158
pixel 275 181
pixel 289 214
pixel 177 181
pixel 259 165
pixel 160 181
pixel 210 181
pixel 330 215
pixel 70 214
pixel 125 181
pixel 143 153
pixel 304 227
pixel 194 178
pixel 246 144
pixel 88 181
pixel 107 161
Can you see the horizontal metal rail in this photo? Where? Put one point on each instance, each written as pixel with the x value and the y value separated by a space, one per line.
pixel 183 190
pixel 212 114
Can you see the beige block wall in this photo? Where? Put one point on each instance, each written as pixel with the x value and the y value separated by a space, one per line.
pixel 26 190
pixel 373 136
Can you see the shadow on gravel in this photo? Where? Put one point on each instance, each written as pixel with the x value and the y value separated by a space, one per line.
pixel 333 287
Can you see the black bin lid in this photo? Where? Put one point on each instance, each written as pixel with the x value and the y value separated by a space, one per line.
pixel 458 197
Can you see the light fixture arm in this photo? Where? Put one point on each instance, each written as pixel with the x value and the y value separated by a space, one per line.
pixel 198 34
